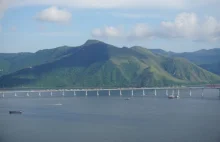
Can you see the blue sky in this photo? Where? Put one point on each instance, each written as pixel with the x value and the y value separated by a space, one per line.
pixel 174 25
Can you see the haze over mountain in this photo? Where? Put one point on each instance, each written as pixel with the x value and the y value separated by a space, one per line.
pixel 97 64
pixel 207 59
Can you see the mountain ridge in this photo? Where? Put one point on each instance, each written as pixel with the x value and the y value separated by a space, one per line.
pixel 95 64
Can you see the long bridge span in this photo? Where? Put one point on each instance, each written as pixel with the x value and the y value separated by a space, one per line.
pixel 174 90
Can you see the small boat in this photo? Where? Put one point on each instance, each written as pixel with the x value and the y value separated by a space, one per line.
pixel 15 112
pixel 127 98
pixel 171 96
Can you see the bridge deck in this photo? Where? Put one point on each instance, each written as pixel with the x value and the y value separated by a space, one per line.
pixel 113 89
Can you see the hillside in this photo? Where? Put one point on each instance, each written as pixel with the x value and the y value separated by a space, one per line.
pixel 207 59
pixel 11 62
pixel 97 64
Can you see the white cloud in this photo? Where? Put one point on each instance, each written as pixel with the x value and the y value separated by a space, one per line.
pixel 188 25
pixel 116 4
pixel 107 32
pixel 109 3
pixel 140 31
pixel 185 25
pixel 53 14
pixel 136 15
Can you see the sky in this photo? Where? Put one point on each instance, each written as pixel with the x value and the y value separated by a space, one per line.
pixel 171 25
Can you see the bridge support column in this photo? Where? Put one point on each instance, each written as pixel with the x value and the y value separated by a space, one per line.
pixel 15 94
pixel 86 93
pixel 97 93
pixel 132 93
pixel 109 93
pixel 51 94
pixel 120 93
pixel 27 94
pixel 202 92
pixel 155 92
pixel 143 92
pixel 178 93
pixel 3 95
pixel 167 92
pixel 173 92
pixel 74 93
pixel 219 92
pixel 190 92
pixel 63 93
pixel 39 94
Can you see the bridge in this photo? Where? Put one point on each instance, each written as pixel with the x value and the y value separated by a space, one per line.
pixel 154 89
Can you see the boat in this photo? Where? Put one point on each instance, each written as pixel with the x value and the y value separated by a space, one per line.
pixel 15 112
pixel 171 96
pixel 127 98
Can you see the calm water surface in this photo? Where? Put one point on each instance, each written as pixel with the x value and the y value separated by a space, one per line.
pixel 111 119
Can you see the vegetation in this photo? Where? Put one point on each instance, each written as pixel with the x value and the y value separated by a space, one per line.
pixel 97 64
pixel 206 59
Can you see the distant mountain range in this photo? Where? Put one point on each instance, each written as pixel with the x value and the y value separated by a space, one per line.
pixel 207 59
pixel 97 64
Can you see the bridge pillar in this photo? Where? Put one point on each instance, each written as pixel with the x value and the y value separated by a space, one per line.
pixel 51 94
pixel 219 92
pixel 143 92
pixel 132 93
pixel 97 93
pixel 120 93
pixel 202 92
pixel 15 94
pixel 27 94
pixel 178 93
pixel 74 92
pixel 86 93
pixel 167 92
pixel 63 93
pixel 173 92
pixel 190 92
pixel 3 95
pixel 39 94
pixel 109 93
pixel 155 92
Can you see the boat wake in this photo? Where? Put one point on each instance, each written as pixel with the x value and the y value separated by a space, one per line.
pixel 59 104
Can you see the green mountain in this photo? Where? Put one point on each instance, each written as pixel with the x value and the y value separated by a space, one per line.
pixel 11 62
pixel 207 59
pixel 97 64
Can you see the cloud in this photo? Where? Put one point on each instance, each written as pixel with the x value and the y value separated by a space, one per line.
pixel 53 14
pixel 107 32
pixel 185 25
pixel 140 31
pixel 188 25
pixel 136 15
pixel 108 3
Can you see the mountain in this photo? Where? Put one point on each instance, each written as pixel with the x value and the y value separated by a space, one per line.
pixel 11 62
pixel 97 64
pixel 207 59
